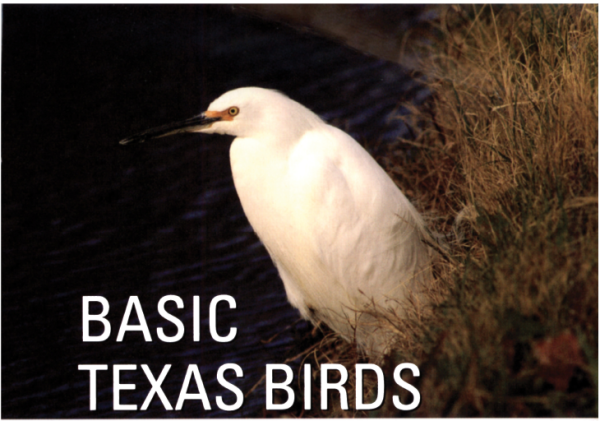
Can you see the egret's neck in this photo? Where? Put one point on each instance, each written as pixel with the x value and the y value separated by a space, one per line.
pixel 281 133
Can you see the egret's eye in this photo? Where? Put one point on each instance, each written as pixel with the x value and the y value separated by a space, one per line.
pixel 233 111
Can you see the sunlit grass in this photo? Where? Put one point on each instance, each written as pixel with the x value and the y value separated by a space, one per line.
pixel 504 163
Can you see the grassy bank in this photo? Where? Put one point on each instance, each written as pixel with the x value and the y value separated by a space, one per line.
pixel 504 163
pixel 504 166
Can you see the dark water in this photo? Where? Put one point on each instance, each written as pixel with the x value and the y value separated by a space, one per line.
pixel 83 216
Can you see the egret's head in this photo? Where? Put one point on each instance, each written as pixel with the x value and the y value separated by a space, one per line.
pixel 258 112
pixel 239 112
pixel 243 112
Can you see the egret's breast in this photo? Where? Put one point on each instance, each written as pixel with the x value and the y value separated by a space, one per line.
pixel 259 177
pixel 283 196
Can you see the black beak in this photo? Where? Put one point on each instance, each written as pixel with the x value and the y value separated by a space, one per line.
pixel 190 125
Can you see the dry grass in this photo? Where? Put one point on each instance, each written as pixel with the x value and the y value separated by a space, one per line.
pixel 504 164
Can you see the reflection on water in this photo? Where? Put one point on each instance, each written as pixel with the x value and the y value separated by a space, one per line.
pixel 83 216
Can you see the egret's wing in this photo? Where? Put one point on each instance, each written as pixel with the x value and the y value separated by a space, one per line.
pixel 365 232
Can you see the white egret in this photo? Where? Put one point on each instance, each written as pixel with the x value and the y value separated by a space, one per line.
pixel 345 240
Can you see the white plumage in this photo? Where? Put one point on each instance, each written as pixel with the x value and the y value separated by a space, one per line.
pixel 342 235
